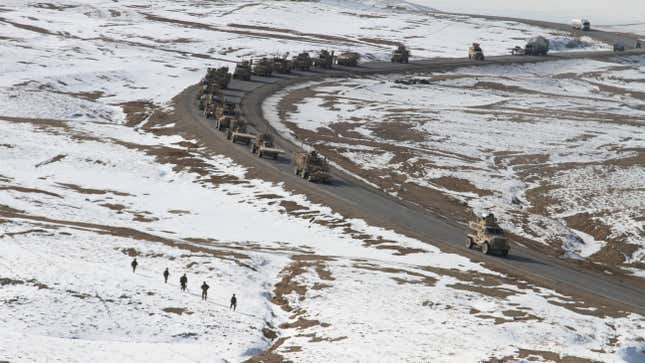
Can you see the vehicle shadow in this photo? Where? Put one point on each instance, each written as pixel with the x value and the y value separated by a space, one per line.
pixel 522 259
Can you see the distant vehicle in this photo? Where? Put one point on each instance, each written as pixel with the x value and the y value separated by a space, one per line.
pixel 237 132
pixel 401 55
pixel 264 147
pixel 534 46
pixel 581 24
pixel 488 235
pixel 262 68
pixel 475 52
pixel 349 59
pixel 302 61
pixel 619 47
pixel 243 71
pixel 325 59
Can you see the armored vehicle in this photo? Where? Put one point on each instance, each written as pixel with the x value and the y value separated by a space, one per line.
pixel 224 114
pixel 401 55
pixel 264 146
pixel 475 52
pixel 243 71
pixel 311 166
pixel 325 59
pixel 488 235
pixel 217 77
pixel 237 132
pixel 282 65
pixel 302 62
pixel 349 59
pixel 534 46
pixel 262 68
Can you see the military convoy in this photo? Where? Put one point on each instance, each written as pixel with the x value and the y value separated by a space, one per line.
pixel 486 234
pixel 348 59
pixel 475 52
pixel 401 55
pixel 311 166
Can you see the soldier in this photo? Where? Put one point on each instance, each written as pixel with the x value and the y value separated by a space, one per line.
pixel 183 281
pixel 204 290
pixel 134 264
pixel 233 303
pixel 166 273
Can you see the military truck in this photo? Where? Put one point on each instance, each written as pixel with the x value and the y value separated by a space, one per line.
pixel 311 166
pixel 325 59
pixel 475 52
pixel 237 132
pixel 262 68
pixel 302 62
pixel 243 71
pixel 401 55
pixel 217 77
pixel 224 114
pixel 487 235
pixel 535 46
pixel 348 59
pixel 264 146
pixel 282 65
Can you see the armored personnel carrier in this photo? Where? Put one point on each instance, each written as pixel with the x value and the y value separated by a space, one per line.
pixel 243 71
pixel 486 234
pixel 401 55
pixel 302 62
pixel 264 146
pixel 348 59
pixel 475 52
pixel 311 166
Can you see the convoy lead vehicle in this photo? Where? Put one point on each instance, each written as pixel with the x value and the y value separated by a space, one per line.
pixel 487 235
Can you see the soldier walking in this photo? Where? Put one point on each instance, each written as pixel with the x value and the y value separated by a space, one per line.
pixel 183 281
pixel 134 264
pixel 166 273
pixel 233 303
pixel 205 290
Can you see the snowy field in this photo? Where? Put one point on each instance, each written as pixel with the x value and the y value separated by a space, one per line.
pixel 82 60
pixel 555 149
pixel 312 285
pixel 81 194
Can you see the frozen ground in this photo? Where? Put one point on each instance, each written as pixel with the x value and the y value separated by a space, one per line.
pixel 555 149
pixel 312 285
pixel 82 60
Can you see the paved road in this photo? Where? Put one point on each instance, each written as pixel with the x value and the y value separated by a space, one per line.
pixel 349 194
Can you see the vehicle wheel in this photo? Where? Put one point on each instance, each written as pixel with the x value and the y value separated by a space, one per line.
pixel 505 253
pixel 275 157
pixel 485 248
pixel 469 243
pixel 260 154
pixel 296 171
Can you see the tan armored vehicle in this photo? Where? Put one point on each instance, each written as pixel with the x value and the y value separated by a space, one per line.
pixel 325 59
pixel 401 55
pixel 488 235
pixel 264 146
pixel 217 77
pixel 224 115
pixel 348 59
pixel 282 65
pixel 475 52
pixel 262 68
pixel 302 62
pixel 237 132
pixel 311 166
pixel 243 71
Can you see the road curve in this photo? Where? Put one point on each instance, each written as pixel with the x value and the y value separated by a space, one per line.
pixel 352 197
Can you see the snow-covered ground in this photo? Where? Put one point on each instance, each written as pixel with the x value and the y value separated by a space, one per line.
pixel 78 200
pixel 81 195
pixel 82 59
pixel 555 149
